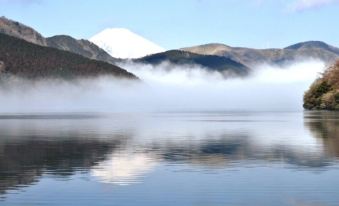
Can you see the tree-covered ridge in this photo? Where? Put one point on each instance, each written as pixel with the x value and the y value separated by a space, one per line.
pixel 21 58
pixel 211 62
pixel 324 92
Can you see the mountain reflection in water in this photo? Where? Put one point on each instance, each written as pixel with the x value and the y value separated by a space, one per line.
pixel 123 149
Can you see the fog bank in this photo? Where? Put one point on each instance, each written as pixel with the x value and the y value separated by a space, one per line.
pixel 166 87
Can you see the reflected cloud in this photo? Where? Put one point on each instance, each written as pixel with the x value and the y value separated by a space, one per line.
pixel 124 168
pixel 123 149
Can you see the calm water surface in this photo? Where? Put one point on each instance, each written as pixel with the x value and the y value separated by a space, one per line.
pixel 202 159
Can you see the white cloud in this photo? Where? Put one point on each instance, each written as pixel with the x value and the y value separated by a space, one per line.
pixel 302 5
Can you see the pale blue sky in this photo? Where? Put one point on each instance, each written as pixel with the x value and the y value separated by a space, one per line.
pixel 179 23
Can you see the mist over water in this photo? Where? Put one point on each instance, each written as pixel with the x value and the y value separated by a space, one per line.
pixel 204 158
pixel 166 87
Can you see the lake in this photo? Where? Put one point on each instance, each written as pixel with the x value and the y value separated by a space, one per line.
pixel 182 158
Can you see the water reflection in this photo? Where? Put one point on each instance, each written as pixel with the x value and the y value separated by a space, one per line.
pixel 122 149
pixel 22 162
pixel 235 150
pixel 124 167
pixel 325 127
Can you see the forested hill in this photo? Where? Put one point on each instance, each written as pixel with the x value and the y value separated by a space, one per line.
pixel 324 92
pixel 24 59
pixel 209 62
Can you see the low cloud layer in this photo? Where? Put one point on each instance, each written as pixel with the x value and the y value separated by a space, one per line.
pixel 166 88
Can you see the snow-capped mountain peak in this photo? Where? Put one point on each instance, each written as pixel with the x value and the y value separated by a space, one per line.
pixel 122 43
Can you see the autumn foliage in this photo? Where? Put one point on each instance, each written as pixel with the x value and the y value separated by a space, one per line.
pixel 324 92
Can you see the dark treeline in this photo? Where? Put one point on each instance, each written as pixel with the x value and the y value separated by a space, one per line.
pixel 21 58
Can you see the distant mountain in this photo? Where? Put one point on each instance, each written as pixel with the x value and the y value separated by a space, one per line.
pixel 21 31
pixel 24 59
pixel 251 57
pixel 62 42
pixel 122 43
pixel 82 47
pixel 211 62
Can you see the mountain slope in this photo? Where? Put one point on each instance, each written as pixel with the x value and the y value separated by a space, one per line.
pixel 82 47
pixel 24 59
pixel 62 42
pixel 21 31
pixel 122 43
pixel 251 57
pixel 211 62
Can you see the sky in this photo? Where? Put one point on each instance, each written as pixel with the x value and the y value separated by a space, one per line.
pixel 179 23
